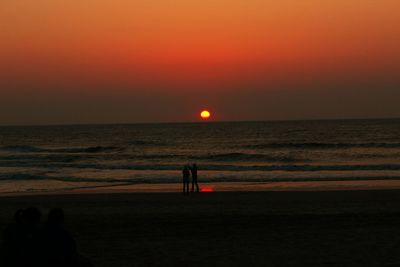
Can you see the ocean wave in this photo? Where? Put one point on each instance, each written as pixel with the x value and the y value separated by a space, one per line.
pixel 352 156
pixel 144 143
pixel 25 158
pixel 177 179
pixel 21 149
pixel 20 176
pixel 208 167
pixel 32 149
pixel 218 167
pixel 218 157
pixel 316 145
pixel 246 157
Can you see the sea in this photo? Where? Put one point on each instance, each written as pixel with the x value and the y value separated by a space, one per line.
pixel 52 158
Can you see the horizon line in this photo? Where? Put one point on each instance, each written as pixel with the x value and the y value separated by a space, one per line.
pixel 193 122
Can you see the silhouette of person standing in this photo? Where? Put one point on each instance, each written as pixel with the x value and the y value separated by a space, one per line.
pixel 186 175
pixel 20 243
pixel 193 170
pixel 58 245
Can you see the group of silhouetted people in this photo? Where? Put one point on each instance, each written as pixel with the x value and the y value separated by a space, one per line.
pixel 27 242
pixel 186 172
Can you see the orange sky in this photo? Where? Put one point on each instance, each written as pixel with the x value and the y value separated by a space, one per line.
pixel 215 46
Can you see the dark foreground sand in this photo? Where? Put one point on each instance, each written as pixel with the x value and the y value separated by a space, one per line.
pixel 332 228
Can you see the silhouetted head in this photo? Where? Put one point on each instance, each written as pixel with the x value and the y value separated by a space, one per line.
pixel 31 216
pixel 194 166
pixel 186 167
pixel 18 216
pixel 56 217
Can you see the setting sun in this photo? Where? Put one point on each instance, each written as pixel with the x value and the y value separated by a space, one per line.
pixel 205 114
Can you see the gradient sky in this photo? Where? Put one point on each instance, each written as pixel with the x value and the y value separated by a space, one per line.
pixel 98 61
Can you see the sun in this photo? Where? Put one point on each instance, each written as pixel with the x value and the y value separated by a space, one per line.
pixel 205 114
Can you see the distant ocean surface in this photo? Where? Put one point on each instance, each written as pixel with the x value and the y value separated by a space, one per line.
pixel 36 158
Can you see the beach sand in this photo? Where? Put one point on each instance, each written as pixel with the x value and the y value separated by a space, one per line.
pixel 228 228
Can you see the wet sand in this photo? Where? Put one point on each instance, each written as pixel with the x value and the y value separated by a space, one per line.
pixel 350 185
pixel 265 228
pixel 106 188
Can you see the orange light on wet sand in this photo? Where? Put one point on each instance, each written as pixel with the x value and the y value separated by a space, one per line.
pixel 207 190
pixel 205 114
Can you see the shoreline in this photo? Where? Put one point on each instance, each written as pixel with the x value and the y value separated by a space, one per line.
pixel 215 187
